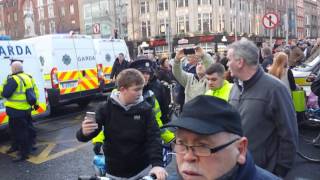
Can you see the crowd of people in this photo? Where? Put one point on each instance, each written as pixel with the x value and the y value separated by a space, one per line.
pixel 237 120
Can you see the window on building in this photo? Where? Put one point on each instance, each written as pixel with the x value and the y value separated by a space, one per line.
pixel 87 11
pixel 88 28
pixel 49 2
pixel 144 6
pixel 50 11
pixel 41 12
pixel 221 23
pixel 40 3
pixel 182 3
pixel 95 10
pixel 15 16
pixel 62 11
pixel 52 27
pixel 183 24
pixel 8 18
pixel 162 5
pixel 42 28
pixel 71 8
pixel 163 26
pixel 221 2
pixel 205 22
pixel 145 29
pixel 204 2
pixel 105 7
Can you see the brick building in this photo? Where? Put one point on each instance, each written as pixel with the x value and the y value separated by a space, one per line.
pixel 27 18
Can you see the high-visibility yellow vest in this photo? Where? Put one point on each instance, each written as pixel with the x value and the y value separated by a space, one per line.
pixel 18 99
pixel 222 92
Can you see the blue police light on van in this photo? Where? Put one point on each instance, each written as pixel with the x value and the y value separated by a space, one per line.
pixel 14 50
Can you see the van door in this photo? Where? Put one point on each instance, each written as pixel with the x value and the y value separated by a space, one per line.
pixel 87 65
pixel 65 60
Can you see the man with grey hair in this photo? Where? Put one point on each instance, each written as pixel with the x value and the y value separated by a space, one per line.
pixel 267 112
pixel 266 53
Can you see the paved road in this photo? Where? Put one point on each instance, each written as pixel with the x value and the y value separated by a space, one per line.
pixel 60 156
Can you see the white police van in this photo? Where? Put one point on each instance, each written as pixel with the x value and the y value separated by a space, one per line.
pixel 31 66
pixel 69 68
pixel 107 51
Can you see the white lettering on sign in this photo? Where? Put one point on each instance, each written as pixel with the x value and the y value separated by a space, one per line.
pixel 14 50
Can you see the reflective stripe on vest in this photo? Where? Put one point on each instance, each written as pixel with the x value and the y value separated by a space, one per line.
pixel 18 99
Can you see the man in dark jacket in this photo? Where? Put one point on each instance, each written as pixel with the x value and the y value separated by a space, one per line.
pixel 119 64
pixel 266 109
pixel 210 143
pixel 132 146
pixel 267 56
pixel 155 86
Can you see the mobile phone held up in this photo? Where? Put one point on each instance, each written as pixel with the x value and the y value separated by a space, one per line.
pixel 91 116
pixel 189 51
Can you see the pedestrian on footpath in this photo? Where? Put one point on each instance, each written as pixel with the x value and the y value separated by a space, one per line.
pixel 19 110
pixel 210 143
pixel 119 64
pixel 266 109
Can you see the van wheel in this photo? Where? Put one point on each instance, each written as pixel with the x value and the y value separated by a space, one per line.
pixel 83 103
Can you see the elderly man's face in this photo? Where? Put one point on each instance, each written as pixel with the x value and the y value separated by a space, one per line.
pixel 191 166
pixel 233 64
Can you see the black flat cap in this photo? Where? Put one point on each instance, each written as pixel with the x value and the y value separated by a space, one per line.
pixel 143 65
pixel 14 60
pixel 208 115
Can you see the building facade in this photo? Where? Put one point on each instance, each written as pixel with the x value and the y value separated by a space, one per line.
pixel 311 18
pixel 28 18
pixel 151 20
pixel 105 18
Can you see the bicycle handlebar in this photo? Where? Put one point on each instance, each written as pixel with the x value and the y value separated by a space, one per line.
pixel 149 177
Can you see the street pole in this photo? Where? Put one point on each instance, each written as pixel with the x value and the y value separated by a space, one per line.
pixel 271 38
pixel 168 29
pixel 235 20
pixel 287 22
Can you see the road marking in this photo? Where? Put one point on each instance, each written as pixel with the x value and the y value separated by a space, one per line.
pixel 46 154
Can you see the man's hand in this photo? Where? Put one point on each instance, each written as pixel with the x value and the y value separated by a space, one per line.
pixel 88 126
pixel 179 55
pixel 199 52
pixel 36 107
pixel 160 172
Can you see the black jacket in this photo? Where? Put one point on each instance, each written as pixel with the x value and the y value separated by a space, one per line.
pixel 132 138
pixel 117 67
pixel 162 96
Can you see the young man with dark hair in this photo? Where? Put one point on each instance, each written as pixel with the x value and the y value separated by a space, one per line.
pixel 218 86
pixel 133 145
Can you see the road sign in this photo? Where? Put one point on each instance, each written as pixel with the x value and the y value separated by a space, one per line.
pixel 96 28
pixel 270 20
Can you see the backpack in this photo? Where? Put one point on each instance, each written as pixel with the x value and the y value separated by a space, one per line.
pixel 30 94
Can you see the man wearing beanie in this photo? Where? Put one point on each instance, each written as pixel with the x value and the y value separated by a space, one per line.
pixel 210 144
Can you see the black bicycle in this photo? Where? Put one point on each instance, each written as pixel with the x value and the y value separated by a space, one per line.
pixel 174 107
pixel 150 177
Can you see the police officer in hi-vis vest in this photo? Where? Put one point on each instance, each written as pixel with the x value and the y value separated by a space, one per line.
pixel 19 110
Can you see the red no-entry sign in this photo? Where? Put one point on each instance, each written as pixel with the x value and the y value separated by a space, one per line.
pixel 270 20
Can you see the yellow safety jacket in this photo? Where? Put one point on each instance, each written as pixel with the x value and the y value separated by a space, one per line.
pixel 18 99
pixel 166 135
pixel 222 92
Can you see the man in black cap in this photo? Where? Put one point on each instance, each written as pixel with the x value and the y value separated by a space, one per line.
pixel 145 66
pixel 210 144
